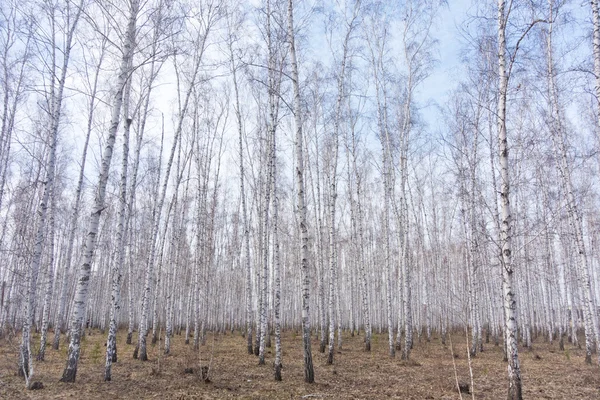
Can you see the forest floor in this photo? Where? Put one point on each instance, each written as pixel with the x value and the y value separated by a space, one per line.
pixel 547 372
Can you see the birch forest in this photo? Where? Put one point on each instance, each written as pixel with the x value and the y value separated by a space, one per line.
pixel 317 192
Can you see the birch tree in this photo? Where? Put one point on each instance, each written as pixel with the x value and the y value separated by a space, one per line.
pixel 351 22
pixel 55 101
pixel 82 288
pixel 276 260
pixel 15 51
pixel 211 12
pixel 156 62
pixel 117 270
pixel 558 134
pixel 231 39
pixel 378 45
pixel 309 375
pixel 49 278
pixel 269 181
pixel 596 54
pixel 73 225
pixel 417 45
pixel 506 218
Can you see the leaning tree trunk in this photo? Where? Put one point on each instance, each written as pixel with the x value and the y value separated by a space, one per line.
pixel 81 292
pixel 60 316
pixel 25 365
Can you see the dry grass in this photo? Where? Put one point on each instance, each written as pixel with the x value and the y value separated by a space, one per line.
pixel 547 372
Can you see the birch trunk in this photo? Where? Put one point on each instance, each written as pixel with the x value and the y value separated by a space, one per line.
pixel 318 243
pixel 388 190
pixel 59 324
pixel 246 238
pixel 11 100
pixel 405 277
pixel 364 287
pixel 178 243
pixel 332 255
pixel 276 263
pixel 592 333
pixel 309 375
pixel 333 259
pixel 25 365
pixel 149 278
pixel 131 203
pixel 265 255
pixel 271 127
pixel 82 289
pixel 596 54
pixel 506 223
pixel 117 269
pixel 49 280
pixel 134 179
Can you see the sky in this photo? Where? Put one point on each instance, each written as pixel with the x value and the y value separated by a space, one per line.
pixel 448 71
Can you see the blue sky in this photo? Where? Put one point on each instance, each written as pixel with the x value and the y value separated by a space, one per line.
pixel 448 71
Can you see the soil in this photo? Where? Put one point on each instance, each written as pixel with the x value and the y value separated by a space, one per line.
pixel 223 369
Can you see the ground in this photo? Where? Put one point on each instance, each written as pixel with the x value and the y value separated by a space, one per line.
pixel 548 373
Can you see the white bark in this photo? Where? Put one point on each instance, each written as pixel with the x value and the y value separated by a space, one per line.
pixel 82 288
pixel 364 292
pixel 558 133
pixel 134 180
pixel 25 365
pixel 506 223
pixel 13 79
pixel 269 161
pixel 49 279
pixel 309 376
pixel 276 262
pixel 332 180
pixel 318 243
pixel 245 223
pixel 596 53
pixel 117 268
pixel 149 278
pixel 59 324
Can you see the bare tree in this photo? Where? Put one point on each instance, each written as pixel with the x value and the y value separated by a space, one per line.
pixel 350 23
pixel 211 14
pixel 60 316
pixel 82 291
pixel 54 111
pixel 309 375
pixel 506 218
pixel 231 39
pixel 558 133
pixel 49 278
pixel 117 270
